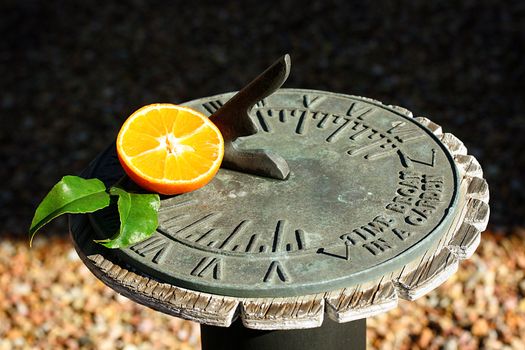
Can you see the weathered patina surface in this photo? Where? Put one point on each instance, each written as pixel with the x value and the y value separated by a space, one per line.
pixel 370 189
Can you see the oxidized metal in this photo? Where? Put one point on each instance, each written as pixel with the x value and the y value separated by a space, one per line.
pixel 233 121
pixel 369 190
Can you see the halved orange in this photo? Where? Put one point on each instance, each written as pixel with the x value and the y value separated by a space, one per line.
pixel 170 149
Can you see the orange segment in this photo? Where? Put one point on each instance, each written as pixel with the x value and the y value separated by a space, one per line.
pixel 170 149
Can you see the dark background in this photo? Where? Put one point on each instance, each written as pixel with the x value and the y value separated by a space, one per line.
pixel 71 72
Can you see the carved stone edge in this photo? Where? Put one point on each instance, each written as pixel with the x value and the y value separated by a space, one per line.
pixel 343 305
pixel 361 301
pixel 463 237
pixel 439 262
pixel 283 313
pixel 205 308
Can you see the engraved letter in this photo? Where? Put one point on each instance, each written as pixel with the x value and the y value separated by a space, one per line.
pixel 401 234
pixel 433 186
pixel 397 207
pixel 378 246
pixel 410 174
pixel 431 196
pixel 416 218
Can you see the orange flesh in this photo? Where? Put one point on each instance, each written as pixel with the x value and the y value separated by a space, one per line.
pixel 170 149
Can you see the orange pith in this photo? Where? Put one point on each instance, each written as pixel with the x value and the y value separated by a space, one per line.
pixel 169 149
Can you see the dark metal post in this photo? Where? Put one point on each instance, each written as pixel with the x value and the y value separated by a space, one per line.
pixel 330 336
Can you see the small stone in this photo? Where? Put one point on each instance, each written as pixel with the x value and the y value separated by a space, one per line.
pixel 72 255
pixel 522 286
pixel 521 305
pixel 425 338
pixel 146 326
pixel 480 328
pixel 446 324
pixel 450 344
pixel 21 288
pixel 517 343
pixel 520 260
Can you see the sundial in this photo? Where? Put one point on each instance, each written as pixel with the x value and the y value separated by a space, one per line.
pixel 374 205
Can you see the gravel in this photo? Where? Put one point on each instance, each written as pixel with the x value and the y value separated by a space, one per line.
pixel 50 300
pixel 479 307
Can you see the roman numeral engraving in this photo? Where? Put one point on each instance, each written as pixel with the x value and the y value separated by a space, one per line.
pixel 338 131
pixel 375 145
pixel 212 106
pixel 261 103
pixel 204 236
pixel 251 243
pixel 278 236
pixel 174 220
pixel 299 237
pixel 302 123
pixel 275 273
pixel 189 228
pixel 374 140
pixel 208 267
pixel 262 120
pixel 283 240
pixel 283 113
pixel 309 101
pixel 360 129
pixel 404 132
pixel 235 233
pixel 324 118
pixel 408 161
pixel 198 223
pixel 388 147
pixel 153 248
pixel 358 111
pixel 198 238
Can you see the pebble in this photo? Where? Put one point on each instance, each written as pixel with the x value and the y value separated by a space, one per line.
pixel 49 300
pixel 480 328
pixel 469 309
pixel 425 338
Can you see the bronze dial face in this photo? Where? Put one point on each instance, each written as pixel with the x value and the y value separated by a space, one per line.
pixel 369 190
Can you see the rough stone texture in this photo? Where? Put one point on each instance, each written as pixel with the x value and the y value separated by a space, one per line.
pixel 72 72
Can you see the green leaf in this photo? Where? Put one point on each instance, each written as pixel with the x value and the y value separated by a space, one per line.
pixel 138 218
pixel 71 195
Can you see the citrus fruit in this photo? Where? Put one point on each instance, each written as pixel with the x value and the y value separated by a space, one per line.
pixel 170 149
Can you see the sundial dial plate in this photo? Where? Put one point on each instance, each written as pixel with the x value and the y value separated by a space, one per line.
pixel 370 189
